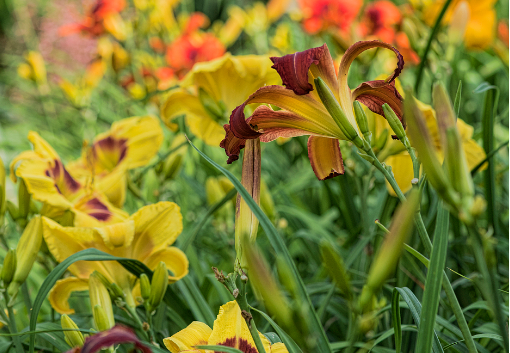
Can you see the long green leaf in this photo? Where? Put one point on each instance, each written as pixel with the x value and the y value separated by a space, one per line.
pixel 434 281
pixel 281 249
pixel 415 308
pixel 292 347
pixel 60 269
pixel 397 322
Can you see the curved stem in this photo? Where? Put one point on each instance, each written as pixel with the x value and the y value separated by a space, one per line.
pixel 11 321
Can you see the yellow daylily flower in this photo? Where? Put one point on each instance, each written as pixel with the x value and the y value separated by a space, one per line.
pixel 395 155
pixel 48 181
pixel 129 144
pixel 78 93
pixel 146 236
pixel 481 26
pixel 229 329
pixel 218 87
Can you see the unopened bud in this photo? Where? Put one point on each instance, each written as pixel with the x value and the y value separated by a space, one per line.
pixel 116 292
pixel 158 286
pixel 381 140
pixel 335 110
pixel 456 164
pixel 173 162
pixel 336 268
pixel 361 119
pixel 3 204
pixel 36 62
pixel 99 296
pixel 73 338
pixel 26 253
pixel 151 186
pixel 145 286
pixel 395 124
pixel 9 267
pixel 23 200
pixel 12 209
pixel 100 318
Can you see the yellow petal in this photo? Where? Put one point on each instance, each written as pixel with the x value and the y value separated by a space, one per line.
pixel 118 234
pixel 114 185
pixel 20 157
pixel 66 241
pixel 402 168
pixel 133 141
pixel 61 291
pixel 174 259
pixel 41 186
pixel 206 129
pixel 197 333
pixel 230 329
pixel 41 147
pixel 279 348
pixel 475 154
pixel 156 227
pixel 231 79
pixel 325 157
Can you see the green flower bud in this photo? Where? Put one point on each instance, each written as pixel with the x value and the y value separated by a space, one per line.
pixel 9 267
pixel 3 205
pixel 12 209
pixel 116 292
pixel 23 200
pixel 395 124
pixel 336 268
pixel 361 119
pixel 335 110
pixel 101 318
pixel 158 286
pixel 381 140
pixel 145 286
pixel 151 186
pixel 174 161
pixel 73 338
pixel 99 296
pixel 26 253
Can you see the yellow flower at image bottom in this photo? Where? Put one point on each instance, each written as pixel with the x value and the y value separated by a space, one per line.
pixel 229 329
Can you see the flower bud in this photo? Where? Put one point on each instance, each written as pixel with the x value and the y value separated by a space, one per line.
pixel 336 269
pixel 23 200
pixel 100 318
pixel 158 285
pixel 151 186
pixel 99 297
pixel 361 119
pixel 390 250
pixel 335 110
pixel 26 253
pixel 3 204
pixel 36 62
pixel 114 24
pixel 145 286
pixel 73 338
pixel 426 153
pixel 116 292
pixel 395 124
pixel 9 267
pixel 12 209
pixel 173 162
pixel 381 140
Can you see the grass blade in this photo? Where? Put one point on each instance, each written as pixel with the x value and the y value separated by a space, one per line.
pixel 434 281
pixel 415 308
pixel 278 244
pixel 397 323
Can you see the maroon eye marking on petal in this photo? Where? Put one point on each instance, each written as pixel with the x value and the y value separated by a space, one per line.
pixel 293 68
pixel 244 345
pixel 63 180
pixel 98 210
pixel 112 145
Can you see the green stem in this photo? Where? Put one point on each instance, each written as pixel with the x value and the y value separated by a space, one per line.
pixel 12 325
pixel 423 58
pixel 132 312
pixel 245 309
pixel 425 239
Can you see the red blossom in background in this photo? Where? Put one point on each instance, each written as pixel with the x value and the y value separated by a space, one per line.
pixel 320 15
pixel 93 24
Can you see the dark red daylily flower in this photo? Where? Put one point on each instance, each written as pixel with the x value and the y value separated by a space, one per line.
pixel 105 339
pixel 302 111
